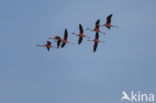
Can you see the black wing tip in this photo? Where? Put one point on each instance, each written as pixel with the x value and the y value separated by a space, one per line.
pixel 48 42
pixel 98 20
pixel 62 46
pixel 79 42
pixel 48 48
pixel 110 15
pixel 80 26
pixel 94 50
pixel 65 30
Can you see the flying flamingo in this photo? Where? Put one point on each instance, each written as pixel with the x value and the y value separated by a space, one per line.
pixel 96 41
pixel 58 40
pixel 64 40
pixel 48 45
pixel 97 27
pixel 108 22
pixel 81 34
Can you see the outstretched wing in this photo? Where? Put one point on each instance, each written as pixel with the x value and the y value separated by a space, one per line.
pixel 63 44
pixel 80 28
pixel 80 40
pixel 97 23
pixel 65 34
pixel 48 48
pixel 97 35
pixel 58 43
pixel 95 46
pixel 109 19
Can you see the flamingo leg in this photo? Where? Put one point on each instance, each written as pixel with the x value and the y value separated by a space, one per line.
pixel 102 41
pixel 114 26
pixel 41 45
pixel 51 38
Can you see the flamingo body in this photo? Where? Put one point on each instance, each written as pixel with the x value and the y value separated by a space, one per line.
pixel 64 40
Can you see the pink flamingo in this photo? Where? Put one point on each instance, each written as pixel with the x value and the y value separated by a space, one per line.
pixel 108 22
pixel 97 27
pixel 64 40
pixel 96 41
pixel 58 40
pixel 81 34
pixel 48 45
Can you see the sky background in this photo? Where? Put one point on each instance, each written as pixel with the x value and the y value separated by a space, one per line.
pixel 74 74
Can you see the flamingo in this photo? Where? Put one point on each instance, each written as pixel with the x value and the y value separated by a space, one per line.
pixel 97 28
pixel 96 41
pixel 108 22
pixel 64 40
pixel 48 45
pixel 58 40
pixel 81 34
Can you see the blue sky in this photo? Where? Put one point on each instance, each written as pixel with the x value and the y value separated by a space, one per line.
pixel 75 74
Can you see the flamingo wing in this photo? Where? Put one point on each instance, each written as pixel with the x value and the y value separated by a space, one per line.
pixel 97 23
pixel 80 28
pixel 95 46
pixel 109 19
pixel 58 43
pixel 63 44
pixel 80 40
pixel 65 34
pixel 48 48
pixel 97 35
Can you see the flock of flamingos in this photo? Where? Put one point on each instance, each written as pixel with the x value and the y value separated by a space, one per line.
pixel 81 35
